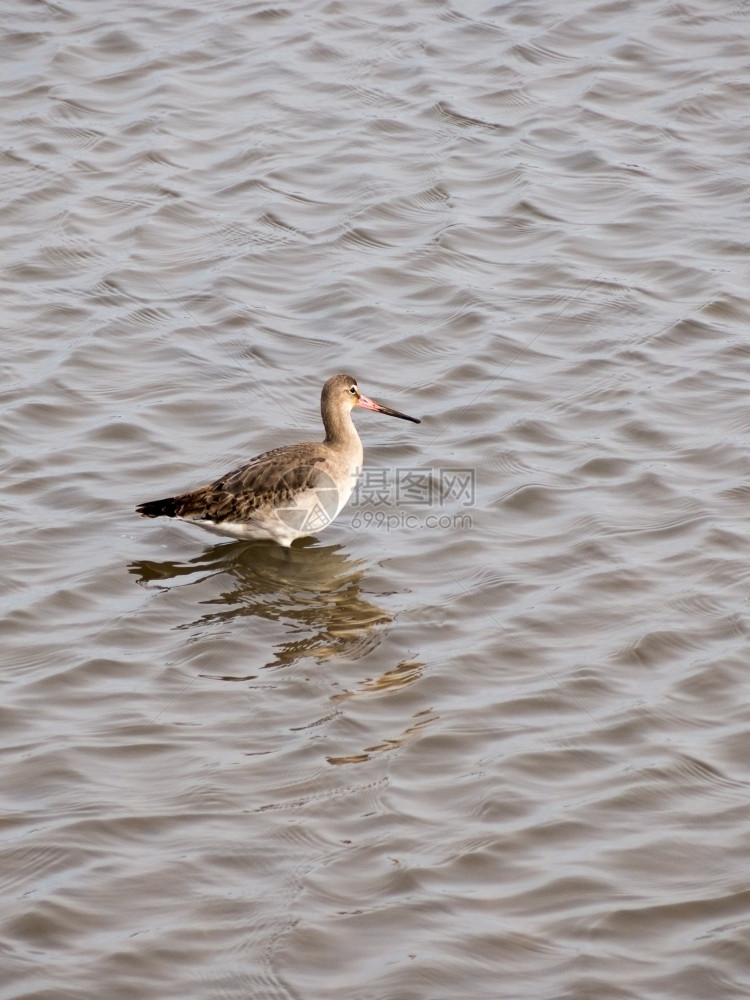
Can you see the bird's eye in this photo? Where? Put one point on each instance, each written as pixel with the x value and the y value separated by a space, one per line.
pixel 353 389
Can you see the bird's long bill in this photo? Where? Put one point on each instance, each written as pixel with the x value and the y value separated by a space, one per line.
pixel 370 404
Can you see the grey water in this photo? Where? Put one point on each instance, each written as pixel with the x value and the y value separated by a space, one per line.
pixel 488 736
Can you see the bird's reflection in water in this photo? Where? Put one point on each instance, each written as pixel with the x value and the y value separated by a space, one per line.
pixel 401 676
pixel 413 731
pixel 313 590
pixel 313 593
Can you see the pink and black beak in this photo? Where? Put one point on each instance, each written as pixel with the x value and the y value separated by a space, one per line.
pixel 370 404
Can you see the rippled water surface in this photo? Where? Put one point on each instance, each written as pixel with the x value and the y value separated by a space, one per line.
pixel 488 736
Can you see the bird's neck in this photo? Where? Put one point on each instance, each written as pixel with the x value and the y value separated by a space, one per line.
pixel 340 429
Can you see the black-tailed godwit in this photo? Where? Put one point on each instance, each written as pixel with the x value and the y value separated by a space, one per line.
pixel 289 492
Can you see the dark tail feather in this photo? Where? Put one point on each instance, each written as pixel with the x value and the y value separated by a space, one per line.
pixel 158 508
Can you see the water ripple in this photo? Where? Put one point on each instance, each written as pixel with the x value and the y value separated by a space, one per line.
pixel 509 728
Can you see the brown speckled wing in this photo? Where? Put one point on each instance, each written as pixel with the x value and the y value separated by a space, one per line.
pixel 270 480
